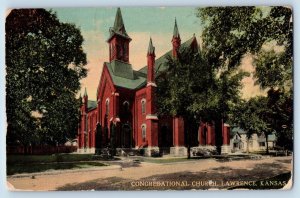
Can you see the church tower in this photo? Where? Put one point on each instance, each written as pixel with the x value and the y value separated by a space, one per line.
pixel 85 100
pixel 176 41
pixel 151 114
pixel 150 63
pixel 118 40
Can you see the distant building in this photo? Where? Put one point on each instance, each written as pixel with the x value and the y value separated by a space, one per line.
pixel 257 142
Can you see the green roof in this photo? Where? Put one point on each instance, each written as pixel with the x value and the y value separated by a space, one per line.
pixel 122 69
pixel 238 129
pixel 119 27
pixel 272 137
pixel 160 62
pixel 124 76
pixel 91 105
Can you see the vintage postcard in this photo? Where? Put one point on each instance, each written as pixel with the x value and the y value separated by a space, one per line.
pixel 149 98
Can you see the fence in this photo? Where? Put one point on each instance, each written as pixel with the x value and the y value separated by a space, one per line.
pixel 40 150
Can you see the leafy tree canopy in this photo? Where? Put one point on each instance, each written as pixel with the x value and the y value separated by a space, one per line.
pixel 266 33
pixel 44 63
pixel 231 32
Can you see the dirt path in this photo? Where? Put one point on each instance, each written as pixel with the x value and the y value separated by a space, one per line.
pixel 72 181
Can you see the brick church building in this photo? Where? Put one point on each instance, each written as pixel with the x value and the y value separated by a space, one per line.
pixel 125 114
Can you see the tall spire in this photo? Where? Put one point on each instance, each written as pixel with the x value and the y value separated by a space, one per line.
pixel 80 99
pixel 85 99
pixel 85 92
pixel 176 41
pixel 119 27
pixel 175 31
pixel 150 63
pixel 119 24
pixel 151 49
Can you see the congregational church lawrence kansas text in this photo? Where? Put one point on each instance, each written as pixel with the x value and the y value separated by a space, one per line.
pixel 125 113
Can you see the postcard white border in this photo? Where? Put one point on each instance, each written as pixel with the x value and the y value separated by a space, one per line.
pixel 5 4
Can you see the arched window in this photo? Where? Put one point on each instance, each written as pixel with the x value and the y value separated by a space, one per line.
pixel 126 106
pixel 107 106
pixel 144 132
pixel 143 105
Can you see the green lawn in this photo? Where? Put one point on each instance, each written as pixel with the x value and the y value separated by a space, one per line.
pixel 28 159
pixel 163 160
pixel 31 168
pixel 38 163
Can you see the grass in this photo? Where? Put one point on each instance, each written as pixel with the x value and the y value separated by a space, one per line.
pixel 29 159
pixel 38 163
pixel 163 160
pixel 32 168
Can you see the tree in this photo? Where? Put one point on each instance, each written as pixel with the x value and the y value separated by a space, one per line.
pixel 177 88
pixel 44 63
pixel 232 32
pixel 253 117
pixel 280 104
pixel 192 89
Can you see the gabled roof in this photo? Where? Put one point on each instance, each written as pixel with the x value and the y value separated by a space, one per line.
pixel 237 130
pixel 91 105
pixel 160 63
pixel 122 69
pixel 272 137
pixel 123 75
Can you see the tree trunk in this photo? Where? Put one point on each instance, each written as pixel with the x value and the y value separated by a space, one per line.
pixel 188 128
pixel 267 146
pixel 248 145
pixel 188 131
pixel 218 134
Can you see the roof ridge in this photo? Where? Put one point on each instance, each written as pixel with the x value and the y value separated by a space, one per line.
pixel 162 56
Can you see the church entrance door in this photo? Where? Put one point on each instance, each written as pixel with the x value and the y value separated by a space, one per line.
pixel 126 137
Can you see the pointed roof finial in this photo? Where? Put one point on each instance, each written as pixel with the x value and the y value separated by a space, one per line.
pixel 151 48
pixel 119 27
pixel 85 92
pixel 176 32
pixel 119 24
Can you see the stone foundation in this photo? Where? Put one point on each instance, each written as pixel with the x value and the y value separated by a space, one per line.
pixel 86 150
pixel 178 151
pixel 126 151
pixel 151 151
pixel 225 149
pixel 203 150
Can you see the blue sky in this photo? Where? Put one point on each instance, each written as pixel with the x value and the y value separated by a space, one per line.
pixel 144 19
pixel 140 24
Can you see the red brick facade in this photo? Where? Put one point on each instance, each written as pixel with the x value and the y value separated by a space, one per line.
pixel 125 111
